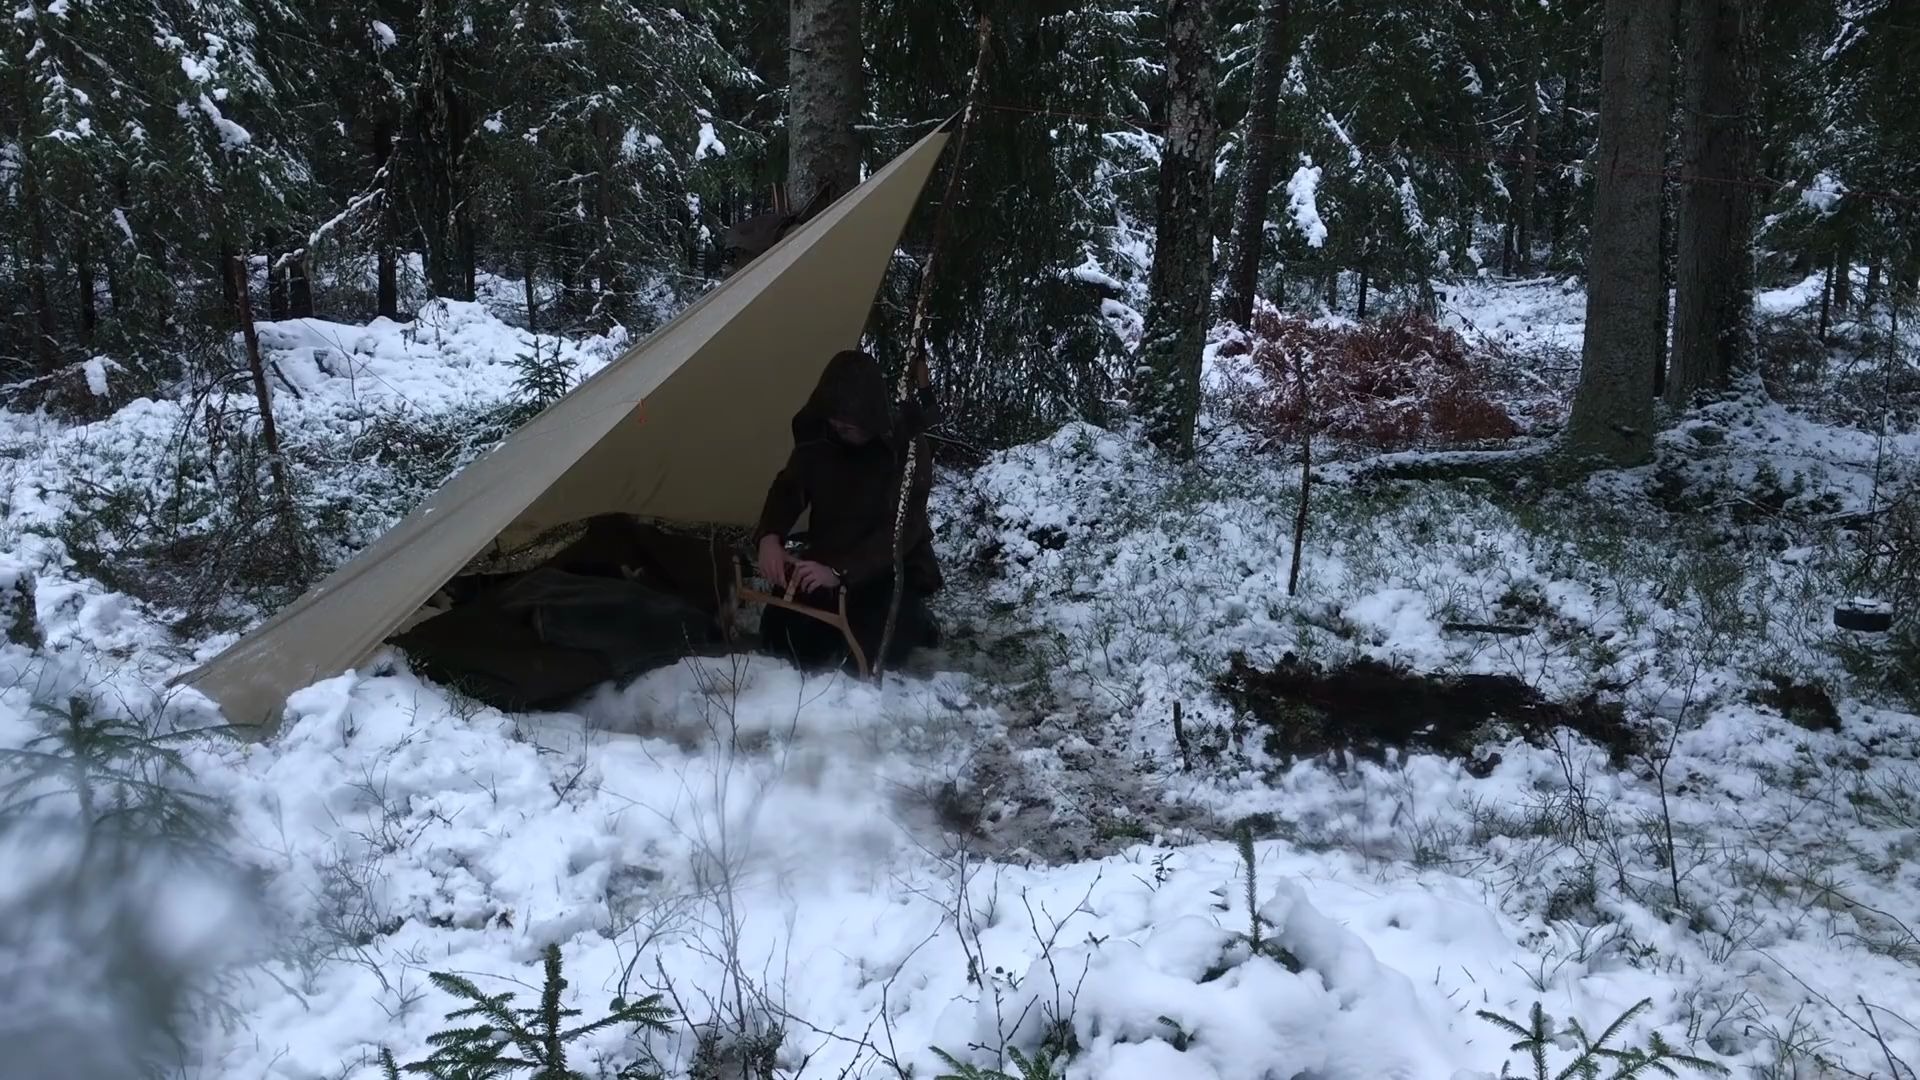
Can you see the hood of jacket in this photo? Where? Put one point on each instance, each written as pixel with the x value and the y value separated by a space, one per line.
pixel 852 388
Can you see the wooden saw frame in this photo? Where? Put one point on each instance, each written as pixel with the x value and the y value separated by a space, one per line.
pixel 837 619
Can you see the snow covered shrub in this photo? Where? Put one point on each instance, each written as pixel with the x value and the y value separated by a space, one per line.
pixel 19 618
pixel 1791 358
pixel 1401 382
pixel 188 524
pixel 1194 998
pixel 400 457
pixel 1889 568
pixel 1893 544
pixel 174 504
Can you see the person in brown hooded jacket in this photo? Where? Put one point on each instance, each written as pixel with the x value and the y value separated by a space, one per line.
pixel 849 452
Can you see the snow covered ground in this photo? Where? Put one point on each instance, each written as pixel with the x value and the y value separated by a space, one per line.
pixel 1006 845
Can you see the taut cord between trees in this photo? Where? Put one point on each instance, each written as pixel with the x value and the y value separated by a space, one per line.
pixel 915 378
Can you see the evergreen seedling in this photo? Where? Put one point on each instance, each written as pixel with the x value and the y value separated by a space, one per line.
pixel 492 1038
pixel 1656 1058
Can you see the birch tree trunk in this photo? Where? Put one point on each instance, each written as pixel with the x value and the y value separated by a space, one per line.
pixel 1256 180
pixel 1612 417
pixel 824 98
pixel 1180 283
pixel 1713 268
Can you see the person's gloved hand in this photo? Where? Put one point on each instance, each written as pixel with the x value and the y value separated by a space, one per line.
pixel 773 561
pixel 813 575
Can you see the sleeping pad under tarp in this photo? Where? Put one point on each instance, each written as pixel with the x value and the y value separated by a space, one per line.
pixel 603 599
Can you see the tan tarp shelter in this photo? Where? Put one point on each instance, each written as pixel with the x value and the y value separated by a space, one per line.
pixel 689 425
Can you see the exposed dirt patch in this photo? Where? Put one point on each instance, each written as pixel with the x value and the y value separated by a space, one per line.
pixel 1368 706
pixel 1044 792
pixel 1806 704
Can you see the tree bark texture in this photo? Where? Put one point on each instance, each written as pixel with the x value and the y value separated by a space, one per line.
pixel 1181 280
pixel 1256 180
pixel 1843 277
pixel 33 197
pixel 276 278
pixel 1612 416
pixel 1713 268
pixel 1559 203
pixel 1523 199
pixel 824 98
pixel 263 396
pixel 441 131
pixel 1657 366
pixel 388 299
pixel 39 254
pixel 299 288
pixel 87 288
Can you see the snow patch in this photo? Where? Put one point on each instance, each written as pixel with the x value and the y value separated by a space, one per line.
pixel 1303 205
pixel 96 369
pixel 1824 194
pixel 232 135
pixel 710 144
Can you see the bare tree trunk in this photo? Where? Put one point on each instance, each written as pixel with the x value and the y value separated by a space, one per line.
pixel 441 124
pixel 387 302
pixel 1843 277
pixel 1712 332
pixel 299 288
pixel 608 306
pixel 276 279
pixel 825 95
pixel 39 251
pixel 1181 281
pixel 1360 308
pixel 1256 180
pixel 1523 199
pixel 467 233
pixel 1826 302
pixel 1664 322
pixel 229 290
pixel 1306 472
pixel 533 305
pixel 1612 416
pixel 917 378
pixel 1559 201
pixel 89 304
pixel 269 434
pixel 33 200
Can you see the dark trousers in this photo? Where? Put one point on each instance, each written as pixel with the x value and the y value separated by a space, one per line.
pixel 813 644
